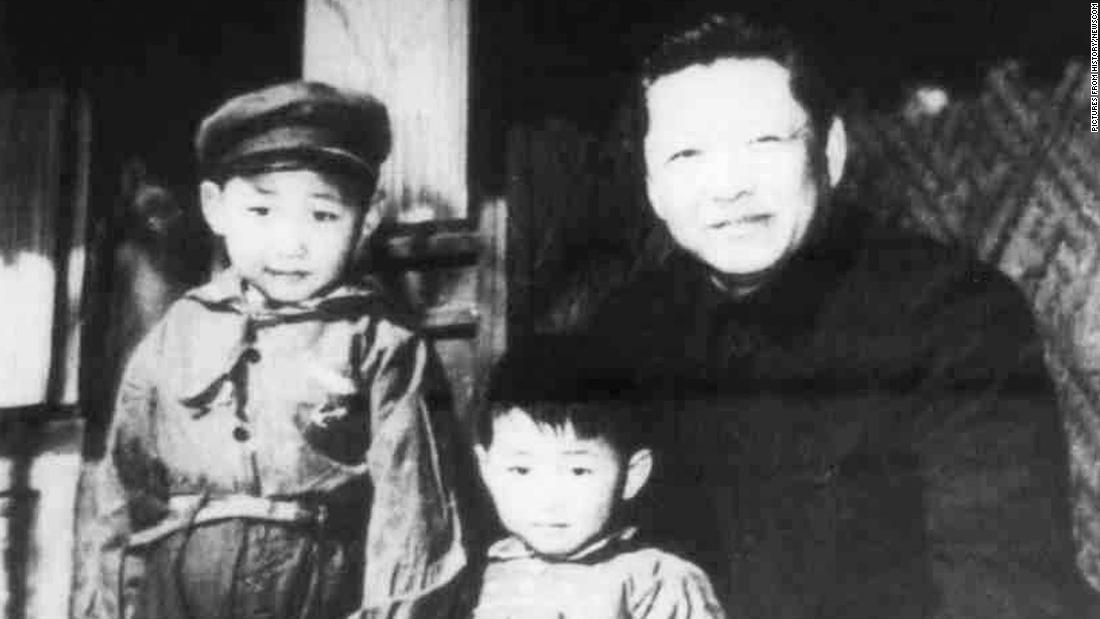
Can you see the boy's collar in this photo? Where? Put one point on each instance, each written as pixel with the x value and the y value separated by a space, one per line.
pixel 227 290
pixel 513 547
pixel 224 296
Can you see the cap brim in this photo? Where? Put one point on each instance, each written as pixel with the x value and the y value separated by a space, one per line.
pixel 294 146
pixel 330 159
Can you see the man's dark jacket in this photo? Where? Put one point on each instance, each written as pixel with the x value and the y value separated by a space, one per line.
pixel 870 434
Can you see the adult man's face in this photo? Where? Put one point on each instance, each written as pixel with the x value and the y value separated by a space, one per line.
pixel 729 164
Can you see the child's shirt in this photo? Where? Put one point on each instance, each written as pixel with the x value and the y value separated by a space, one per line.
pixel 281 416
pixel 611 578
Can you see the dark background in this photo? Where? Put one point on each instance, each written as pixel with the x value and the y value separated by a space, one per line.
pixel 154 68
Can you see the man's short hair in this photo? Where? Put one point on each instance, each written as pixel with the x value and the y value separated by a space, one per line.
pixel 558 381
pixel 730 35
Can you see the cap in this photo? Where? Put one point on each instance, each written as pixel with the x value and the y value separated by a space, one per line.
pixel 296 123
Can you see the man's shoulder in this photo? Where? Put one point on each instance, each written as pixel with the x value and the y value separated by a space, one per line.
pixel 932 275
pixel 894 251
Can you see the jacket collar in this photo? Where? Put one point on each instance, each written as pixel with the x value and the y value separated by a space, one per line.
pixel 230 328
pixel 225 292
pixel 512 547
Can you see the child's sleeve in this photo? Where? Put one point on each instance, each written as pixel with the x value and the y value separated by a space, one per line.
pixel 414 542
pixel 672 588
pixel 126 477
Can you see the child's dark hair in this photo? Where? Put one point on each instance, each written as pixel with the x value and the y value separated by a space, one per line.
pixel 558 381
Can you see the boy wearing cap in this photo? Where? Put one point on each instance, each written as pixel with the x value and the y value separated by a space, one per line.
pixel 270 453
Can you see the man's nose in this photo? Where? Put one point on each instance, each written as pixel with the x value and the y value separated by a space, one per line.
pixel 729 174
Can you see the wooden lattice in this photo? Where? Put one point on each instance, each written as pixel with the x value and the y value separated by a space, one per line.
pixel 1015 174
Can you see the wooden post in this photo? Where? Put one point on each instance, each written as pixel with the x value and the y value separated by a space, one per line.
pixel 414 56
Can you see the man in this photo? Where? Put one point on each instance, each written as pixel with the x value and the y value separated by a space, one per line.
pixel 860 422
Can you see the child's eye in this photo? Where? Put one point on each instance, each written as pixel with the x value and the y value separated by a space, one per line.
pixel 259 211
pixel 325 216
pixel 519 470
pixel 580 471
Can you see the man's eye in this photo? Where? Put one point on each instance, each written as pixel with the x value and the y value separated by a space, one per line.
pixel 519 470
pixel 777 138
pixel 259 211
pixel 766 139
pixel 325 216
pixel 685 153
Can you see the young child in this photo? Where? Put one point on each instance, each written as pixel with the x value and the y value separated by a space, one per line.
pixel 561 453
pixel 270 453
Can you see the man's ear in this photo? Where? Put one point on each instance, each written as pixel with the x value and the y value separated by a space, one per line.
pixel 210 194
pixel 836 151
pixel 638 470
pixel 482 459
pixel 652 194
pixel 652 190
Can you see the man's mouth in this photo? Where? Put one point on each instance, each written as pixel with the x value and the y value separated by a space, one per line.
pixel 286 273
pixel 750 220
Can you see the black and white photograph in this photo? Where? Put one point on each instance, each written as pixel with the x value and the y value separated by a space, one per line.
pixel 549 309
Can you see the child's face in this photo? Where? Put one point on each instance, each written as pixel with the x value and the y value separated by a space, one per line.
pixel 553 489
pixel 288 233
